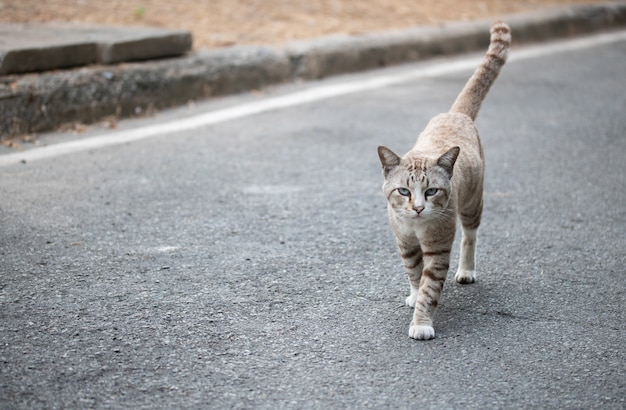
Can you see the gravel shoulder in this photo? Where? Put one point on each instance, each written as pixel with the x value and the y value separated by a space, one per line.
pixel 219 23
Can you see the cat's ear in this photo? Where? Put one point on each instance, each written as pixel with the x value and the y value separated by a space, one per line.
pixel 447 160
pixel 388 159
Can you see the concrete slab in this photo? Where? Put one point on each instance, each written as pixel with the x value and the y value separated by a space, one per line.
pixel 40 47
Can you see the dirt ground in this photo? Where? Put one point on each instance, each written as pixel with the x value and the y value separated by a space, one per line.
pixel 218 23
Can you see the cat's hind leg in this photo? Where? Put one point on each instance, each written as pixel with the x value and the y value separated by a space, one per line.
pixel 466 272
pixel 470 221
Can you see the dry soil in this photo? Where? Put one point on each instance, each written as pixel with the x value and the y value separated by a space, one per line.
pixel 218 23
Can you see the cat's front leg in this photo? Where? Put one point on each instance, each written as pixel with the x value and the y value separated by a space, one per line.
pixel 436 264
pixel 411 254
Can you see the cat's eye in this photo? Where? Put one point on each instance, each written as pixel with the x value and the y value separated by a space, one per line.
pixel 430 192
pixel 404 192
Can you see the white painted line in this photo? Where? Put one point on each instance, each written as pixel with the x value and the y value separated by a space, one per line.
pixel 313 94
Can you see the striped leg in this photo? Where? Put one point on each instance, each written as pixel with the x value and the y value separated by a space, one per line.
pixel 412 258
pixel 436 264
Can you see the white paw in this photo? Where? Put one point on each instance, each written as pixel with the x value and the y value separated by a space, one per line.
pixel 412 299
pixel 465 276
pixel 421 332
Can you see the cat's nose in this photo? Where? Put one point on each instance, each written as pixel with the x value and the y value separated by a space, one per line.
pixel 418 209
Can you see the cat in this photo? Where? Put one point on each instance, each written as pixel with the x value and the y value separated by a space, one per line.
pixel 438 180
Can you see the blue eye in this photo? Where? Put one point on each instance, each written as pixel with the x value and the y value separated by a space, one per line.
pixel 430 192
pixel 404 192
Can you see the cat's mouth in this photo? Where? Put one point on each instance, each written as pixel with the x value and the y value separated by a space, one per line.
pixel 416 216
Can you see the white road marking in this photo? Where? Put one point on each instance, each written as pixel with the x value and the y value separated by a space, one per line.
pixel 313 94
pixel 272 189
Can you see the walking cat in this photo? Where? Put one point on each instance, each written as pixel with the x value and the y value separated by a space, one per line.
pixel 441 178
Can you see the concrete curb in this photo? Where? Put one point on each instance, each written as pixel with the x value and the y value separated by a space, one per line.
pixel 26 48
pixel 42 102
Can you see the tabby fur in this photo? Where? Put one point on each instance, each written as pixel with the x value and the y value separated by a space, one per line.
pixel 439 180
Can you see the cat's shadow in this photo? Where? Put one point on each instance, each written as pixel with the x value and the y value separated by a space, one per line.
pixel 466 309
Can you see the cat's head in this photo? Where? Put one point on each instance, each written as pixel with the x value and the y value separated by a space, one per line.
pixel 417 186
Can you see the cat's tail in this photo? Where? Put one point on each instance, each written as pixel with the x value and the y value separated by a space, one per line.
pixel 469 100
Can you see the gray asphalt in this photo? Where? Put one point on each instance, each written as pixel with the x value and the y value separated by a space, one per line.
pixel 250 264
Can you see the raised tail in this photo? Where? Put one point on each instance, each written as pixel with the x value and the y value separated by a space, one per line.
pixel 469 100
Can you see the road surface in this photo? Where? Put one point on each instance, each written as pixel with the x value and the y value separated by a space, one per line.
pixel 237 253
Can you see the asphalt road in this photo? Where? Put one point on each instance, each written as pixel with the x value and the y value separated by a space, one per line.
pixel 249 263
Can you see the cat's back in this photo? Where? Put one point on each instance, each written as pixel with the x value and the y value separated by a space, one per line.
pixel 451 129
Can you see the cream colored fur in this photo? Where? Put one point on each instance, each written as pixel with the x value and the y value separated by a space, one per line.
pixel 439 180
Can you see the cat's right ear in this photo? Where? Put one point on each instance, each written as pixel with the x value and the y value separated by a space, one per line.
pixel 388 159
pixel 447 160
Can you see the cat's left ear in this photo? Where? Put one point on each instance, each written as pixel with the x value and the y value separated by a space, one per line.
pixel 447 160
pixel 388 159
